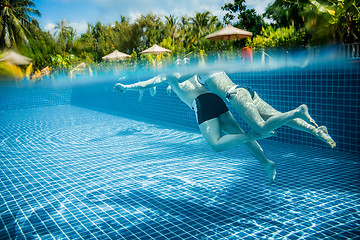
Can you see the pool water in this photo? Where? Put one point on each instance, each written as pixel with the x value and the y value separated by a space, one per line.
pixel 74 173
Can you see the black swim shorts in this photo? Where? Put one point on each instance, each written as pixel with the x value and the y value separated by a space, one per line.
pixel 209 106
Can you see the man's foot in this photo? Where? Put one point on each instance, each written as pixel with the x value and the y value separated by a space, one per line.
pixel 322 134
pixel 270 170
pixel 304 114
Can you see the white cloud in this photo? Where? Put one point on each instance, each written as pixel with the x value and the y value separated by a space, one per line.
pixel 110 10
pixel 80 27
pixel 178 8
pixel 134 15
pixel 259 5
pixel 49 27
pixel 83 12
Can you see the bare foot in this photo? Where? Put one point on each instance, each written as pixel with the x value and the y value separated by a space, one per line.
pixel 304 114
pixel 270 170
pixel 323 135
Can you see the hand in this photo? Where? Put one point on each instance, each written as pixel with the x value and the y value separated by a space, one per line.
pixel 120 87
pixel 168 90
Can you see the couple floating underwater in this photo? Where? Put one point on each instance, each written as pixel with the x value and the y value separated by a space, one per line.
pixel 214 117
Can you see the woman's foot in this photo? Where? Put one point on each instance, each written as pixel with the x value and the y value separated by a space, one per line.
pixel 322 134
pixel 304 114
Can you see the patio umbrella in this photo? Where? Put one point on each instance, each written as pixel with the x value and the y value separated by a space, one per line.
pixel 229 33
pixel 16 58
pixel 156 49
pixel 116 55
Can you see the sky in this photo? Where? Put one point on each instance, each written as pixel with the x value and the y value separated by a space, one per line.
pixel 78 13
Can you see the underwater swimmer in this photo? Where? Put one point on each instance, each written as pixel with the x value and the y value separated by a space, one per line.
pixel 258 114
pixel 213 116
pixel 211 112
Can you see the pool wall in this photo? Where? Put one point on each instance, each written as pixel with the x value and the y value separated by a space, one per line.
pixel 22 95
pixel 331 92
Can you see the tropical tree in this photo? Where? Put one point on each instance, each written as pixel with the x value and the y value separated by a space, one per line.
pixel 171 26
pixel 184 31
pixel 323 20
pixel 286 13
pixel 61 27
pixel 65 35
pixel 16 17
pixel 283 37
pixel 244 18
pixel 150 29
pixel 201 25
pixel 98 40
pixel 43 45
pixel 124 36
pixel 338 20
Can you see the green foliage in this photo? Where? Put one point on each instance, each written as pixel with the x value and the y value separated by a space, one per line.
pixel 294 23
pixel 16 17
pixel 336 21
pixel 281 37
pixel 63 62
pixel 246 19
pixel 65 36
pixel 150 28
pixel 42 45
pixel 238 7
pixel 286 13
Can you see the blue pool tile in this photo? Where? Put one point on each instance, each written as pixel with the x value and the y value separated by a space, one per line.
pixel 90 175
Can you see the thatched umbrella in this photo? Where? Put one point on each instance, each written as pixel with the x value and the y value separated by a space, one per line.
pixel 156 49
pixel 16 59
pixel 116 55
pixel 229 33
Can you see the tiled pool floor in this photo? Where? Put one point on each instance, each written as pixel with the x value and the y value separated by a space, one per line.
pixel 72 173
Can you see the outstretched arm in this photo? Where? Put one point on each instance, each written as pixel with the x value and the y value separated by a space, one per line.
pixel 141 86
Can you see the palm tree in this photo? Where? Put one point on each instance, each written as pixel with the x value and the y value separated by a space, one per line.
pixel 15 21
pixel 171 26
pixel 203 23
pixel 151 29
pixel 184 33
pixel 65 35
pixel 61 27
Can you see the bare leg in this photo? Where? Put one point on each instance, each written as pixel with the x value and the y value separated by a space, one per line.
pixel 211 131
pixel 230 126
pixel 248 111
pixel 266 111
pixel 320 132
pixel 258 153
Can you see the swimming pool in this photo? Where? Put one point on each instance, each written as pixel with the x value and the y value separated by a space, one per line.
pixel 81 162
